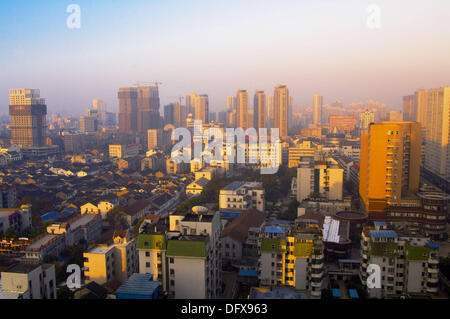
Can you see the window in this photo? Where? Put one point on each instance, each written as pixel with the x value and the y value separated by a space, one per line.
pixel 147 265
pixel 171 260
pixel 147 254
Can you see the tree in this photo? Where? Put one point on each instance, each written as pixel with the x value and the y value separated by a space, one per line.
pixel 291 212
pixel 11 233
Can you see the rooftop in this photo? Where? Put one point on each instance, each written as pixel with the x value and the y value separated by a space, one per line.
pixel 383 234
pixel 139 284
pixel 22 268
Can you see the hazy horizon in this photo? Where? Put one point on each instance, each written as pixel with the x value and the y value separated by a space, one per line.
pixel 218 47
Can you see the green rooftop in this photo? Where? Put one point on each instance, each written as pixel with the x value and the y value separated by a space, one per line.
pixel 273 245
pixel 187 248
pixel 383 249
pixel 417 253
pixel 303 249
pixel 151 241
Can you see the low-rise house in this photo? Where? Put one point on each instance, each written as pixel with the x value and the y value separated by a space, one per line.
pixel 17 218
pixel 197 186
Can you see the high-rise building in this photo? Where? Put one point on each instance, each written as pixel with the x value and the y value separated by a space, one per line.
pixel 148 108
pixel 345 123
pixel 270 112
pixel 433 113
pixel 199 104
pixel 128 109
pixel 231 102
pixel 395 116
pixel 390 164
pixel 88 124
pixel 280 109
pixel 169 114
pixel 318 102
pixel 259 110
pixel 409 112
pixel 154 138
pixel 365 119
pixel 242 109
pixel 28 117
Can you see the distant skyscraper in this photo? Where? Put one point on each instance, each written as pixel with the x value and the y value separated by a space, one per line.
pixel 433 109
pixel 242 109
pixel 28 117
pixel 169 114
pixel 148 108
pixel 390 164
pixel 409 113
pixel 270 112
pixel 231 102
pixel 100 107
pixel 395 116
pixel 318 104
pixel 280 109
pixel 128 109
pixel 259 110
pixel 365 119
pixel 201 109
pixel 154 138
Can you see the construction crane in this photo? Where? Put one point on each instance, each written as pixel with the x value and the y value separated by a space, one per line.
pixel 177 97
pixel 140 83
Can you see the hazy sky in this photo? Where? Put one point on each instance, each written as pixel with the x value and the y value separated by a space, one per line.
pixel 216 47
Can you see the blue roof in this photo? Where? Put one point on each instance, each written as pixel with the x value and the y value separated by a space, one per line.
pixel 139 285
pixel 229 215
pixel 248 273
pixel 353 294
pixel 275 229
pixel 336 293
pixel 383 234
pixel 433 245
pixel 380 223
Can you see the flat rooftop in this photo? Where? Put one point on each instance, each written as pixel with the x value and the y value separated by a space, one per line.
pixel 43 241
pixel 21 268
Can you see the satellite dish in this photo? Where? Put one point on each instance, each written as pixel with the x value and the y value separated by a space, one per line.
pixel 199 209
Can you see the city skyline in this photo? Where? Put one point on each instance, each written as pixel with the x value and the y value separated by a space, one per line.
pixel 322 47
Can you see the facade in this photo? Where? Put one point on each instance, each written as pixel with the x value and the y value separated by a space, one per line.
pixel 88 124
pixel 390 164
pixel 293 258
pixel 320 179
pixel 123 151
pixel 345 123
pixel 242 120
pixel 242 196
pixel 280 109
pixel 148 108
pixel 365 119
pixel 317 112
pixel 154 138
pixel 117 261
pixel 28 281
pixel 28 117
pixel 259 110
pixel 409 262
pixel 302 150
pixel 128 109
pixel 17 218
pixel 183 252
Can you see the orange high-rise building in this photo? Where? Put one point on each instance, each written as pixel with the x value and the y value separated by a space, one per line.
pixel 390 164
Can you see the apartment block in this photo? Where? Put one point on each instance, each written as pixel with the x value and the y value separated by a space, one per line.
pixel 293 257
pixel 320 179
pixel 242 196
pixel 408 261
pixel 28 281
pixel 17 218
pixel 117 261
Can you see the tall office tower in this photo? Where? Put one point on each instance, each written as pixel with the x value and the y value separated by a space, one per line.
pixel 28 117
pixel 280 109
pixel 436 123
pixel 365 119
pixel 421 106
pixel 201 108
pixel 148 108
pixel 409 113
pixel 242 109
pixel 318 102
pixel 169 114
pixel 291 111
pixel 231 102
pixel 390 164
pixel 99 105
pixel 177 114
pixel 259 110
pixel 88 124
pixel 222 117
pixel 190 102
pixel 128 109
pixel 270 111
